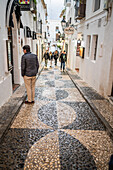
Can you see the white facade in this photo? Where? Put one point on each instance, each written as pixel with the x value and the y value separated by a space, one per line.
pixel 5 76
pixel 53 27
pixel 95 32
pixel 11 45
pixel 41 27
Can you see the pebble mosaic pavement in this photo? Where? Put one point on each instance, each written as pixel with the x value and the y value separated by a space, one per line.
pixel 59 131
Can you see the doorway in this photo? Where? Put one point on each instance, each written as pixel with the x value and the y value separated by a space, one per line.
pixel 10 53
pixel 10 58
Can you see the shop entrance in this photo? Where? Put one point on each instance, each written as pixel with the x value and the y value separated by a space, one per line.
pixel 10 57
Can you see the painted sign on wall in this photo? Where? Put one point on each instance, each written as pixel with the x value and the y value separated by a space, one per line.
pixel 25 5
pixel 24 2
pixel 69 30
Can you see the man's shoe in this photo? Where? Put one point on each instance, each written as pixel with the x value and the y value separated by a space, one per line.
pixel 26 102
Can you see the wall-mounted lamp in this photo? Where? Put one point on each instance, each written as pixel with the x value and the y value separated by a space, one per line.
pixel 59 33
pixel 63 23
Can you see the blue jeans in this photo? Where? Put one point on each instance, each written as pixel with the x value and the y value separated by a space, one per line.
pixel 63 64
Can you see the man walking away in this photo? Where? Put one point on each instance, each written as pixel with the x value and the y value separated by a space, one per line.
pixel 29 69
pixel 51 58
pixel 63 58
pixel 46 57
pixel 56 54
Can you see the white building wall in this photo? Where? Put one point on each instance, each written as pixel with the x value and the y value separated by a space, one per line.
pixel 106 81
pixel 41 15
pixel 70 39
pixel 52 31
pixel 91 70
pixel 5 76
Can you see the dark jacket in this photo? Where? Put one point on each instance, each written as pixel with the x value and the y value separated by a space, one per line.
pixel 29 65
pixel 46 56
pixel 63 57
pixel 56 56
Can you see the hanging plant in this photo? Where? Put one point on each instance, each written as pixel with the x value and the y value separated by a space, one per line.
pixel 35 2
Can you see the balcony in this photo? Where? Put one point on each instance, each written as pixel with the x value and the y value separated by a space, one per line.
pixel 67 3
pixel 80 8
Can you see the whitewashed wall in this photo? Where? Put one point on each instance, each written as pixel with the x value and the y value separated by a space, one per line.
pixel 106 81
pixel 41 41
pixel 5 76
pixel 52 30
pixel 90 70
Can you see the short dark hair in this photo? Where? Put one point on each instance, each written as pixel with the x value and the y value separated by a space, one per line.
pixel 27 48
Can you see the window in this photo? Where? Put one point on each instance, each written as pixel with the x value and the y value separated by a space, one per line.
pixel 70 20
pixel 97 5
pixel 95 43
pixel 88 45
pixel 80 8
pixel 45 35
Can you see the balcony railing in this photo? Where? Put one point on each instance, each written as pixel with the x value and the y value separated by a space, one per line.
pixel 80 8
pixel 67 3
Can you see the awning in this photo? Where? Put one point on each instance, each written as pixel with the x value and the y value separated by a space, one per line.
pixel 13 6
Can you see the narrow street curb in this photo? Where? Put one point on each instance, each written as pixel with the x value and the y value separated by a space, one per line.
pixel 95 110
pixel 14 112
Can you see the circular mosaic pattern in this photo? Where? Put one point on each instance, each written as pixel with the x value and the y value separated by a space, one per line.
pixel 48 115
pixel 61 94
pixel 59 131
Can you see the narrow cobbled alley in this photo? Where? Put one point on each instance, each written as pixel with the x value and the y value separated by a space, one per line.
pixel 58 131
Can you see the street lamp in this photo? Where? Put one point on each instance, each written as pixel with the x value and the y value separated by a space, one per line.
pixel 63 23
pixel 59 34
pixel 63 36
